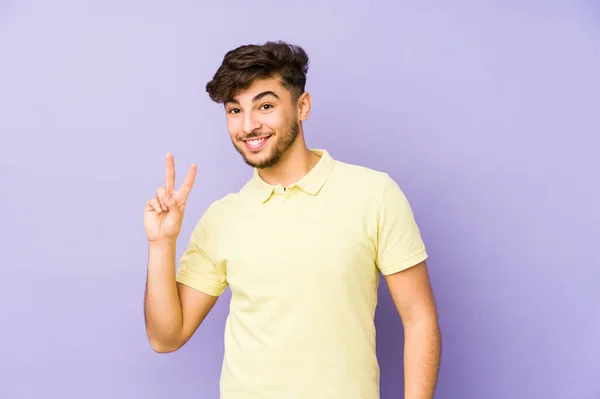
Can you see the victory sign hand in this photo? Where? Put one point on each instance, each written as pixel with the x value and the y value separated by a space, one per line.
pixel 163 214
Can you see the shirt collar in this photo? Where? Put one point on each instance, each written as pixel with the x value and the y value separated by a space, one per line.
pixel 311 183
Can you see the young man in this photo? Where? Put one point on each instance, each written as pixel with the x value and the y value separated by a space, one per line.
pixel 301 246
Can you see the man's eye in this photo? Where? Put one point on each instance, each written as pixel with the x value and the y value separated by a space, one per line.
pixel 266 106
pixel 233 111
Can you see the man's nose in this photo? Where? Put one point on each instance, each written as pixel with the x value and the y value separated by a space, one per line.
pixel 250 123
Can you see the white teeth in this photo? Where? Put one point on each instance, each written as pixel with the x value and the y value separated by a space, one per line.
pixel 255 142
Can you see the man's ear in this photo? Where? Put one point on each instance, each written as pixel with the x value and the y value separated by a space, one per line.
pixel 304 105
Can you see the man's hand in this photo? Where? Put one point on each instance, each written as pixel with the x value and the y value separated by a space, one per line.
pixel 163 214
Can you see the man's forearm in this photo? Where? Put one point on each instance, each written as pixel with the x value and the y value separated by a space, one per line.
pixel 422 352
pixel 162 305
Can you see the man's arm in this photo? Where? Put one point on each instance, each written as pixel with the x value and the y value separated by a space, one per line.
pixel 411 292
pixel 174 306
pixel 173 311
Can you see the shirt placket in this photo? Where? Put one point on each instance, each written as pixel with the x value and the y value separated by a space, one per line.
pixel 285 202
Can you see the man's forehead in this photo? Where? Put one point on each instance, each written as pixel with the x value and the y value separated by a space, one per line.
pixel 261 85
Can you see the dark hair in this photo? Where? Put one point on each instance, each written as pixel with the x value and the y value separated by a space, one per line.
pixel 243 65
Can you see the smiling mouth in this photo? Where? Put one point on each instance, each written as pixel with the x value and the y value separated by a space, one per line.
pixel 256 143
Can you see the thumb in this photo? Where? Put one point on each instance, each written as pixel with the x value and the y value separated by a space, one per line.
pixel 172 206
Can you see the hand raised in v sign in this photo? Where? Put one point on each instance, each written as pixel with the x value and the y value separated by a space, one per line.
pixel 163 214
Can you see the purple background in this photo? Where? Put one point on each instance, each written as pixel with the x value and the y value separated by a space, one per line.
pixel 487 115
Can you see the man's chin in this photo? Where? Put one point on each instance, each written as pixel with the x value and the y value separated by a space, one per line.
pixel 258 161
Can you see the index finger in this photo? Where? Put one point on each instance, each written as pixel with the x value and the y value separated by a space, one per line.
pixel 188 183
pixel 170 174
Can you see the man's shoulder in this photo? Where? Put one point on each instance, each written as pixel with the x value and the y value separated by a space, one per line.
pixel 361 176
pixel 221 205
pixel 227 204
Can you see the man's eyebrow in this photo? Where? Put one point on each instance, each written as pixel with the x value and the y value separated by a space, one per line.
pixel 264 94
pixel 256 97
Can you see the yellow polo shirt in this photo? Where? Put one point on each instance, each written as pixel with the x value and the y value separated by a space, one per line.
pixel 303 267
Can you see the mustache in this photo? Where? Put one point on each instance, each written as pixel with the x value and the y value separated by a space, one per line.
pixel 254 135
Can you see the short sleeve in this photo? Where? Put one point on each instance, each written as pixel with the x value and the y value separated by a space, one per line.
pixel 197 268
pixel 399 242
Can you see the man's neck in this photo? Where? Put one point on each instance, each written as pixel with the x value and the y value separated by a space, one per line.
pixel 291 168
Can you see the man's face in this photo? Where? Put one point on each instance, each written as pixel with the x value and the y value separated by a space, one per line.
pixel 262 122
